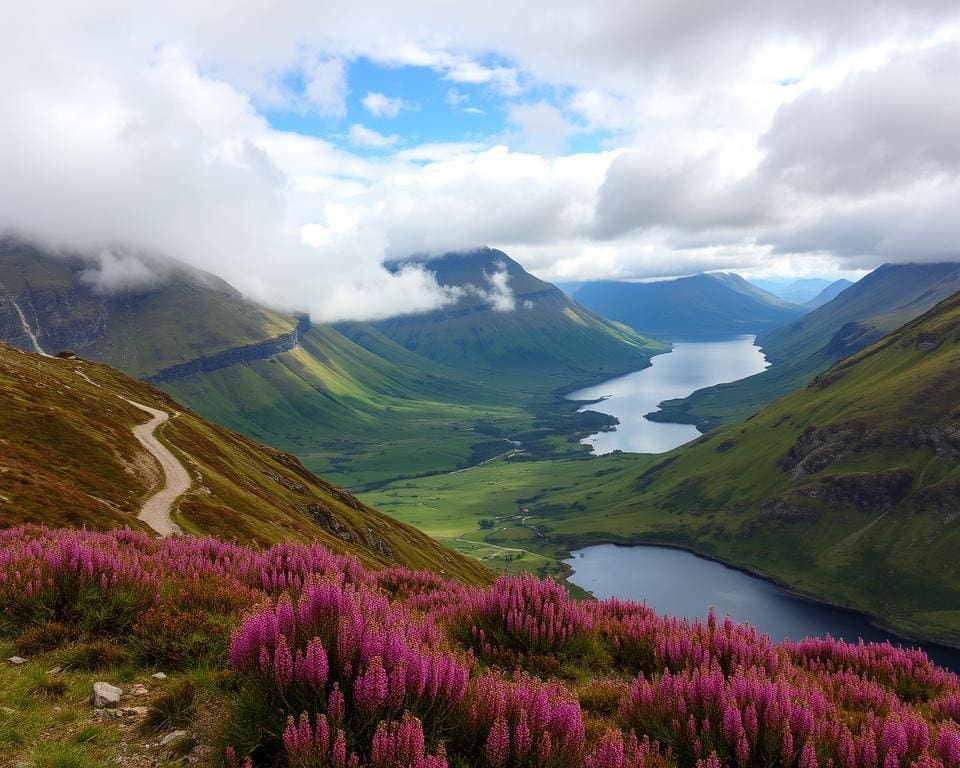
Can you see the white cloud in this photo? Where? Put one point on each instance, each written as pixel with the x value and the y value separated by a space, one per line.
pixel 779 135
pixel 379 105
pixel 455 98
pixel 362 136
pixel 325 87
pixel 542 126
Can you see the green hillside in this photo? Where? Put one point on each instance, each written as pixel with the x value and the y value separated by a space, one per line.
pixel 68 458
pixel 351 402
pixel 545 337
pixel 701 305
pixel 847 490
pixel 883 300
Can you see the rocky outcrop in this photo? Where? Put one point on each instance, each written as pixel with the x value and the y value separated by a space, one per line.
pixel 868 490
pixel 64 318
pixel 942 498
pixel 248 353
pixel 819 447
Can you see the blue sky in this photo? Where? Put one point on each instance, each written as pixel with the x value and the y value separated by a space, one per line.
pixel 432 108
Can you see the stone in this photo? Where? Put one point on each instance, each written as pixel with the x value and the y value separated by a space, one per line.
pixel 55 671
pixel 158 676
pixel 172 736
pixel 139 690
pixel 135 711
pixel 8 711
pixel 105 695
pixel 17 660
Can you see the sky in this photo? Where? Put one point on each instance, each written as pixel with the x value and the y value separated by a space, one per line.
pixel 293 147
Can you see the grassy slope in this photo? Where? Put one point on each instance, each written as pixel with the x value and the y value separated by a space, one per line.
pixel 67 457
pixel 351 414
pixel 877 304
pixel 352 403
pixel 548 342
pixel 698 305
pixel 726 495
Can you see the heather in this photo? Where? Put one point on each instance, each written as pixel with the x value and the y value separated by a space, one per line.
pixel 326 664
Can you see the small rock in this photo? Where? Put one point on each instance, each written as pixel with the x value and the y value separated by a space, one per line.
pixel 135 711
pixel 172 736
pixel 8 711
pixel 105 695
pixel 139 690
pixel 17 660
pixel 55 671
pixel 107 714
pixel 158 676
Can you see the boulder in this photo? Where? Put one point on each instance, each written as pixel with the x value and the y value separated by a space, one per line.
pixel 105 695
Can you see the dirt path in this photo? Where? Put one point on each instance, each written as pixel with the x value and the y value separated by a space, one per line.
pixel 156 509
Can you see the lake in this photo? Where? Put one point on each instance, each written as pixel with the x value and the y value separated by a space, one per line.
pixel 679 583
pixel 692 365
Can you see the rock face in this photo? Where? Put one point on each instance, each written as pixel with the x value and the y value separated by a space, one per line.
pixel 262 350
pixel 819 447
pixel 105 695
pixel 877 490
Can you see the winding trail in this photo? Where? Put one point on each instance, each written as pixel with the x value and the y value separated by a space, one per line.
pixel 156 509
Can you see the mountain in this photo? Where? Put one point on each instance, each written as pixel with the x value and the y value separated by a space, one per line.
pixel 352 403
pixel 69 458
pixel 799 291
pixel 701 305
pixel 828 294
pixel 848 489
pixel 185 314
pixel 509 323
pixel 860 315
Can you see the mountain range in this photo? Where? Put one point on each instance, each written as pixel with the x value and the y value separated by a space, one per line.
pixel 702 305
pixel 858 316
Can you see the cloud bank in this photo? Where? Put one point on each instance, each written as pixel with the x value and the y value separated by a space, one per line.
pixel 638 140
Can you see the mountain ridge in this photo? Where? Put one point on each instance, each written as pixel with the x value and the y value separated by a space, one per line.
pixel 704 305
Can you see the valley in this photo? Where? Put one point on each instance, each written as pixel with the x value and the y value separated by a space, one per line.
pixel 480 385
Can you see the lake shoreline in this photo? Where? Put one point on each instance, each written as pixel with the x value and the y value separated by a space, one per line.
pixel 688 366
pixel 872 620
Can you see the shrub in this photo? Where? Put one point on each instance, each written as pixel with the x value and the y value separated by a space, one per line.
pixel 43 638
pixel 175 640
pixel 172 708
pixel 95 656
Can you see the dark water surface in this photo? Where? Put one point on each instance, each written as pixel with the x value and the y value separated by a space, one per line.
pixel 679 583
pixel 691 365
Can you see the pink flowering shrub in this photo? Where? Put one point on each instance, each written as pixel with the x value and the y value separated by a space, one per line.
pixel 528 616
pixel 335 666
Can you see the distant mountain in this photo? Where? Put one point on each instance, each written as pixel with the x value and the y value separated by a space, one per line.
pixel 847 489
pixel 860 315
pixel 701 305
pixel 510 323
pixel 797 291
pixel 69 458
pixel 829 293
